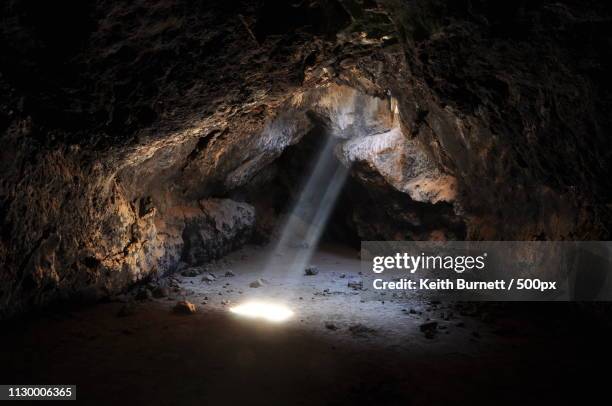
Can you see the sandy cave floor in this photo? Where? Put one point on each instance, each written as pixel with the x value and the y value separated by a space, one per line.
pixel 339 348
pixel 325 304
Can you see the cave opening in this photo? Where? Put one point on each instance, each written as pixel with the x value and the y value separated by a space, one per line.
pixel 389 189
pixel 350 175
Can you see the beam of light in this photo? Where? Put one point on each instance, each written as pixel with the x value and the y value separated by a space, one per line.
pixel 263 310
pixel 302 230
pixel 311 211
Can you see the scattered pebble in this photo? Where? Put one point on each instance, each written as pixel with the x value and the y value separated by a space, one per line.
pixel 357 284
pixel 446 315
pixel 185 307
pixel 208 278
pixel 360 330
pixel 191 272
pixel 311 270
pixel 257 283
pixel 429 329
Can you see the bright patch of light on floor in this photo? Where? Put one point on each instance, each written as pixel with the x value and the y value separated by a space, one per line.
pixel 263 310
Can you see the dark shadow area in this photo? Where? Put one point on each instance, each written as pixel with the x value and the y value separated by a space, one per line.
pixel 550 356
pixel 367 208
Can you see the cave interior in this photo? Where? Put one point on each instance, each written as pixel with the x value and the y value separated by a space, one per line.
pixel 164 161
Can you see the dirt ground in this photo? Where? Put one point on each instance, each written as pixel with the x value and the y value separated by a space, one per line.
pixel 338 349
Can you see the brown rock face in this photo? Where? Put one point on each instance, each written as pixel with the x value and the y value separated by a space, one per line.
pixel 135 135
pixel 503 98
pixel 223 225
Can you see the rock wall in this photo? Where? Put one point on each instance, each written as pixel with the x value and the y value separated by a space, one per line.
pixel 223 225
pixel 114 114
pixel 512 100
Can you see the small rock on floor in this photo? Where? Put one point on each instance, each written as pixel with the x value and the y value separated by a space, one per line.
pixel 191 272
pixel 185 307
pixel 257 284
pixel 330 326
pixel 360 330
pixel 429 329
pixel 430 325
pixel 311 270
pixel 208 278
pixel 357 285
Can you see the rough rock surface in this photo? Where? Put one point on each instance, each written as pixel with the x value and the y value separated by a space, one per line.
pixel 224 225
pixel 115 115
pixel 403 165
pixel 512 100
